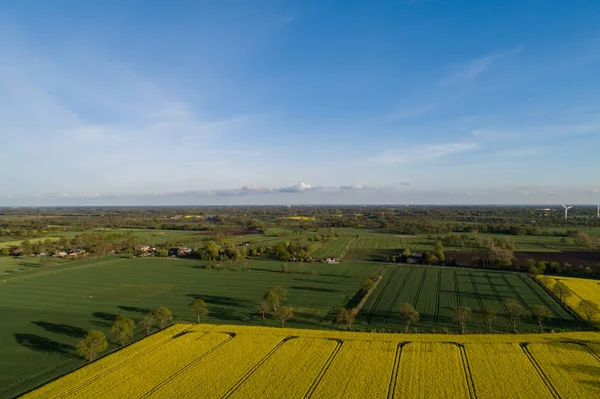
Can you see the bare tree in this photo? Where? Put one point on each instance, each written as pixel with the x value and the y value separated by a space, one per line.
pixel 284 313
pixel 89 346
pixel 462 314
pixel 199 307
pixel 263 307
pixel 123 329
pixel 540 313
pixel 488 315
pixel 514 312
pixel 588 309
pixel 408 314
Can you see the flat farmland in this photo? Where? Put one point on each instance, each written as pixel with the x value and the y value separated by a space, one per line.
pixel 583 289
pixel 44 312
pixel 336 248
pixel 377 247
pixel 189 361
pixel 436 291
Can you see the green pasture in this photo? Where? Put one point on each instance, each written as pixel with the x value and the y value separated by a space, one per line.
pixel 44 312
pixel 435 291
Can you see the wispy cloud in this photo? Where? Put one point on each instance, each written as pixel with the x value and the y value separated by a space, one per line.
pixel 423 153
pixel 475 68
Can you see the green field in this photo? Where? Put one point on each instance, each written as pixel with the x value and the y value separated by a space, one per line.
pixel 435 291
pixel 44 312
pixel 335 248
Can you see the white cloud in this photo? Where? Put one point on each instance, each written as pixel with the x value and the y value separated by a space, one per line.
pixel 298 188
pixel 357 187
pixel 423 153
pixel 409 112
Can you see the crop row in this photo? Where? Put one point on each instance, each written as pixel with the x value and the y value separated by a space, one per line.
pixel 436 291
pixel 234 361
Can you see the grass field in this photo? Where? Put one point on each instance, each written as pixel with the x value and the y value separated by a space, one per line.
pixel 233 361
pixel 336 248
pixel 582 289
pixel 435 291
pixel 44 312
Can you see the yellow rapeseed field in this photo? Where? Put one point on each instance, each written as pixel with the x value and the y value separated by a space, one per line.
pixel 583 289
pixel 210 361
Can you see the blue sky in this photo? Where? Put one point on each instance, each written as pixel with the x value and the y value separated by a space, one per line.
pixel 275 102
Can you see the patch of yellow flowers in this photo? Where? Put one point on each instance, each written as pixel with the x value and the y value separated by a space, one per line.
pixel 583 289
pixel 209 361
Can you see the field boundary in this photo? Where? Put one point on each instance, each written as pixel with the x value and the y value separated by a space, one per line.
pixel 498 297
pixel 456 289
pixel 378 299
pixel 516 293
pixel 325 368
pixel 467 370
pixel 187 366
pixel 253 369
pixel 438 288
pixel 395 370
pixel 117 366
pixel 540 371
pixel 542 299
pixel 475 290
pixel 396 296
pixel 420 288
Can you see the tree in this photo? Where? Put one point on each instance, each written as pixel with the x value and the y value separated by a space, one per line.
pixel 275 295
pixel 4 251
pixel 122 329
pixel 562 291
pixel 488 315
pixel 408 314
pixel 162 315
pixel 583 240
pixel 514 312
pixel 284 267
pixel 199 307
pixel 540 313
pixel 588 309
pixel 44 262
pixel 284 313
pixel 211 250
pixel 89 346
pixel 462 314
pixel 263 307
pixel 272 299
pixel 148 322
pixel 346 317
pixel 367 285
pixel 439 251
pixel 547 281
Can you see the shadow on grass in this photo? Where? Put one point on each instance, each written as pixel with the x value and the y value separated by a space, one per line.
pixel 218 300
pixel 43 344
pixel 64 329
pixel 134 309
pixel 314 289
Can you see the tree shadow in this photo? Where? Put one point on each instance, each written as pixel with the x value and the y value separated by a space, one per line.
pixel 64 329
pixel 105 316
pixel 43 344
pixel 218 300
pixel 134 309
pixel 315 289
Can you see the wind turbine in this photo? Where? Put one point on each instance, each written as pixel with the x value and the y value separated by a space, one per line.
pixel 566 210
